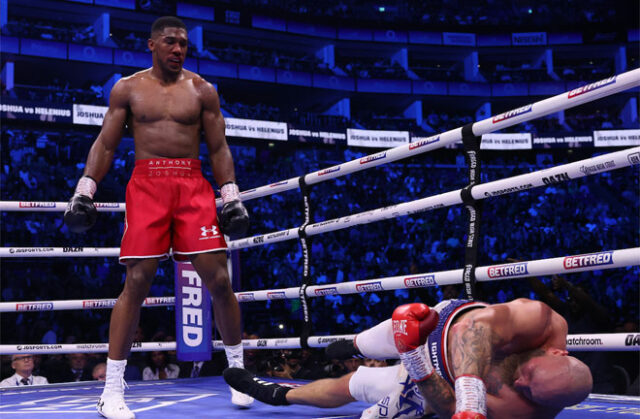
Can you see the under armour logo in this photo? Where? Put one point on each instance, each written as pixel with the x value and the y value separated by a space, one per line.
pixel 209 232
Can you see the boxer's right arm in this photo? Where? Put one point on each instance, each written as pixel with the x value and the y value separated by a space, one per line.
pixel 81 212
pixel 103 149
pixel 412 323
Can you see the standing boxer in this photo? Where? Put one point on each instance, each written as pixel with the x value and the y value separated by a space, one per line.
pixel 169 203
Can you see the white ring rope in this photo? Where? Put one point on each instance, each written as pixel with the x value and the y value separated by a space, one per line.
pixel 566 100
pixel 566 264
pixel 578 343
pixel 600 164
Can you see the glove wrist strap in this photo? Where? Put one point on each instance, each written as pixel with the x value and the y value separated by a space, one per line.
pixel 230 192
pixel 471 395
pixel 417 364
pixel 86 186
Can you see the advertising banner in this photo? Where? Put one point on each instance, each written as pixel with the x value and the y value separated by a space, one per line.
pixel 252 128
pixel 375 138
pixel 193 315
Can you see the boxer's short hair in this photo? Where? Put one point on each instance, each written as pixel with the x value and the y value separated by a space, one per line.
pixel 167 22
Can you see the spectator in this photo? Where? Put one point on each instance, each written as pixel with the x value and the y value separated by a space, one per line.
pixel 99 372
pixel 23 366
pixel 158 368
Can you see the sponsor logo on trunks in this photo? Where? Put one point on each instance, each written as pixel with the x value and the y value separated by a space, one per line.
pixel 632 340
pixel 258 239
pixel 422 143
pixel 329 170
pixel 37 205
pixel 37 347
pixel 373 157
pixel 278 234
pixel 369 286
pixel 246 296
pixel 209 233
pixel 30 249
pixel 107 205
pixel 419 281
pixel 34 306
pixel 593 259
pixel 434 358
pixel 92 346
pixel 596 168
pixel 73 249
pixel 167 162
pixel 136 345
pixel 508 271
pixel 273 185
pixel 512 113
pixel 98 303
pixel 326 291
pixel 159 300
pixel 592 86
pixel 634 158
pixel 276 295
pixel 561 177
pixel 261 342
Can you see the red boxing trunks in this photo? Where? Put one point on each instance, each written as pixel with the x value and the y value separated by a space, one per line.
pixel 169 205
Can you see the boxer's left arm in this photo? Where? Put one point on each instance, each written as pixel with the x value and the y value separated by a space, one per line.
pixel 213 127
pixel 234 218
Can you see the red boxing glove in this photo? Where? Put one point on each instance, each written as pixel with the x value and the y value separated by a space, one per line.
pixel 412 324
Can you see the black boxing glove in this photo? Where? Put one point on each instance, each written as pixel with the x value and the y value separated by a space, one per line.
pixel 234 218
pixel 81 213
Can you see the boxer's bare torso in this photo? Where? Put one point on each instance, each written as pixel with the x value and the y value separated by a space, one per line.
pixel 539 328
pixel 164 118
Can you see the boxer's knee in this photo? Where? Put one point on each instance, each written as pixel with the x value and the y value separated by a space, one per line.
pixel 219 284
pixel 138 283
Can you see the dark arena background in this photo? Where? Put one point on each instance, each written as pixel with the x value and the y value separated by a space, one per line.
pixel 369 96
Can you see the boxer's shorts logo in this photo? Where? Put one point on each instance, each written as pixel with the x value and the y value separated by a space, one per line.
pixel 209 233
